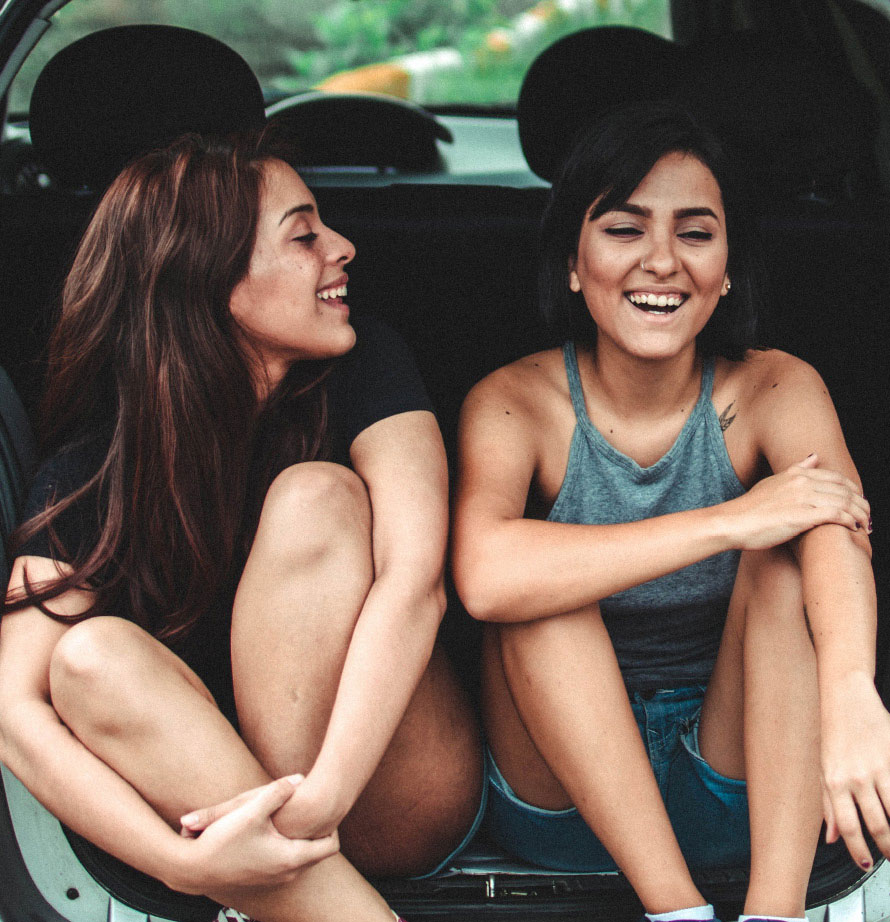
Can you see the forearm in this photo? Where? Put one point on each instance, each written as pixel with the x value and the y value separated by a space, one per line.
pixel 524 569
pixel 387 656
pixel 839 595
pixel 87 796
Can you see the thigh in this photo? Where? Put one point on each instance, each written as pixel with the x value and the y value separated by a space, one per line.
pixel 137 706
pixel 425 794
pixel 512 748
pixel 767 585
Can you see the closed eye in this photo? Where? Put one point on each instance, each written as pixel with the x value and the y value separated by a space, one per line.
pixel 697 235
pixel 307 239
pixel 623 231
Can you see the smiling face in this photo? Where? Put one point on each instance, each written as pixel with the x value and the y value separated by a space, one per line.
pixel 652 270
pixel 290 304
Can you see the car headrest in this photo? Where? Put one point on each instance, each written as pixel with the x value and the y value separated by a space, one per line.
pixel 582 76
pixel 798 120
pixel 121 92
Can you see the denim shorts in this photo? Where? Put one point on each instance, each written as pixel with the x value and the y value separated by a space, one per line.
pixel 709 812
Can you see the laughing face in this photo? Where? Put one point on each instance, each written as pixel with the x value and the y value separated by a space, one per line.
pixel 652 270
pixel 290 305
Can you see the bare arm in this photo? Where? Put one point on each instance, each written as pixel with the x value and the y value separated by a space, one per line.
pixel 92 799
pixel 839 595
pixel 402 461
pixel 509 568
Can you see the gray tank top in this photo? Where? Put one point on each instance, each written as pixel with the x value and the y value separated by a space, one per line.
pixel 666 631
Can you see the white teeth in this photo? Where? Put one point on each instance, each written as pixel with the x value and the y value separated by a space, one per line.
pixel 653 300
pixel 329 293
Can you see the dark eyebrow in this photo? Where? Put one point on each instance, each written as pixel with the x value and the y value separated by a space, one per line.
pixel 695 213
pixel 628 208
pixel 297 209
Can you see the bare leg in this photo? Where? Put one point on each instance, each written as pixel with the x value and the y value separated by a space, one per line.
pixel 303 588
pixel 545 680
pixel 763 692
pixel 140 709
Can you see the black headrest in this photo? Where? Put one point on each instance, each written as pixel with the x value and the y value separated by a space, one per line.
pixel 581 77
pixel 799 120
pixel 121 92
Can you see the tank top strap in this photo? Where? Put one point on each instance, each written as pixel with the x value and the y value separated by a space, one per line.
pixel 707 379
pixel 570 357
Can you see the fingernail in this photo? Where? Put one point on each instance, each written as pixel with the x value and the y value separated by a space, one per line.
pixel 295 779
pixel 858 526
pixel 189 819
pixel 865 863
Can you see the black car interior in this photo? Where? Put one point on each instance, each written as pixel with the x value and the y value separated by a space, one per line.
pixel 806 103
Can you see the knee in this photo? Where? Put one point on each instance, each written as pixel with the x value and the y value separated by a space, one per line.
pixel 526 643
pixel 316 505
pixel 88 668
pixel 770 583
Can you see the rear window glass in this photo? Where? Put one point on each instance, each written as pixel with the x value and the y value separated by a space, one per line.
pixel 463 52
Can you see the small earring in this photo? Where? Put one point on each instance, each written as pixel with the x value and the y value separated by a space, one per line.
pixel 727 285
pixel 643 264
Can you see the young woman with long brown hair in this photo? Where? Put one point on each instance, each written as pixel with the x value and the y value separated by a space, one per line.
pixel 666 532
pixel 242 523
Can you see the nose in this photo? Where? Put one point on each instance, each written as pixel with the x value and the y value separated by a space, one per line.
pixel 661 257
pixel 340 250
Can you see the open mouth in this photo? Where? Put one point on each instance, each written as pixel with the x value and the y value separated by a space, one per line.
pixel 654 302
pixel 332 294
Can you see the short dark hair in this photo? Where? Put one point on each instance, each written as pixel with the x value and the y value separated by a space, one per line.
pixel 610 159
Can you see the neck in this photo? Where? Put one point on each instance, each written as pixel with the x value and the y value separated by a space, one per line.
pixel 634 386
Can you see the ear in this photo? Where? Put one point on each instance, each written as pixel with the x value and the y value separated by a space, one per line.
pixel 574 281
pixel 727 284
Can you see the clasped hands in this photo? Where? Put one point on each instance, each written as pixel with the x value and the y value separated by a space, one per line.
pixel 263 836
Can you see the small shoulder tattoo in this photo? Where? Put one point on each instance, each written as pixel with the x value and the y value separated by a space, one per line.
pixel 726 417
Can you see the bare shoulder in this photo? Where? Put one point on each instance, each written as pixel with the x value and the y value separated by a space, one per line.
pixel 767 377
pixel 524 387
pixel 792 412
pixel 772 378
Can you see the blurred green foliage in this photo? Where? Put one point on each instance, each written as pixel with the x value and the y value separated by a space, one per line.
pixel 292 46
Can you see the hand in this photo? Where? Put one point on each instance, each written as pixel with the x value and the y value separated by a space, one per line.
pixel 240 847
pixel 856 768
pixel 194 823
pixel 310 812
pixel 785 505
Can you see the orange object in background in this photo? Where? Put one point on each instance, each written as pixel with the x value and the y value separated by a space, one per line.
pixel 389 78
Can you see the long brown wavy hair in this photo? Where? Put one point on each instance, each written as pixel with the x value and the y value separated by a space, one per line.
pixel 146 353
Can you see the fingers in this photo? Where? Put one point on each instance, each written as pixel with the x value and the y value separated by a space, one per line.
pixel 831 832
pixel 311 851
pixel 833 498
pixel 875 817
pixel 266 800
pixel 847 823
pixel 198 820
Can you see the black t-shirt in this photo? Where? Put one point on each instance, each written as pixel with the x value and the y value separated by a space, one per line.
pixel 376 379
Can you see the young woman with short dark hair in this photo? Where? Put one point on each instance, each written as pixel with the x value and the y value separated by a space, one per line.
pixel 665 532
